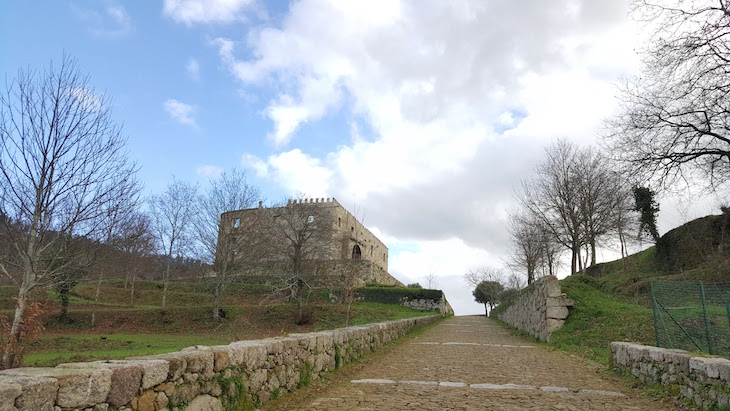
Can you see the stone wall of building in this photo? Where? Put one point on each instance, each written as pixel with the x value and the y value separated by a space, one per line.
pixel 335 240
pixel 345 233
pixel 540 309
pixel 702 380
pixel 197 378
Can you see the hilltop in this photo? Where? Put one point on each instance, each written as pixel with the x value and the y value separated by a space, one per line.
pixel 613 299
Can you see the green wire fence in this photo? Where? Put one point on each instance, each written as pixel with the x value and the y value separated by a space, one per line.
pixel 692 316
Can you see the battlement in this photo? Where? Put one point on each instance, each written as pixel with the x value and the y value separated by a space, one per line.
pixel 321 200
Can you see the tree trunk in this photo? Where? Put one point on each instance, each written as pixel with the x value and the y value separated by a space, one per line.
pixel 96 299
pixel 573 260
pixel 131 291
pixel 165 279
pixel 12 346
pixel 624 252
pixel 486 311
pixel 164 292
pixel 349 308
pixel 217 303
pixel 593 252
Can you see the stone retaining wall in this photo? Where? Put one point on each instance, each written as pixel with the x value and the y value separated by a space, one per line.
pixel 427 304
pixel 540 309
pixel 703 380
pixel 197 378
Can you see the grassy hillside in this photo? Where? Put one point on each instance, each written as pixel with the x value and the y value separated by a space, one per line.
pixel 599 318
pixel 122 330
pixel 613 300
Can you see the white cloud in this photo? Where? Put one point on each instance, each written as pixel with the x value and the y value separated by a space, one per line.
pixel 209 171
pixel 113 21
pixel 449 105
pixel 296 172
pixel 193 69
pixel 206 11
pixel 181 112
pixel 449 259
pixel 87 98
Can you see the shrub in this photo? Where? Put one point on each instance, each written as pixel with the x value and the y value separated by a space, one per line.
pixel 396 295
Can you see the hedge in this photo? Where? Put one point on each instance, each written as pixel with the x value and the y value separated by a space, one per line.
pixel 396 295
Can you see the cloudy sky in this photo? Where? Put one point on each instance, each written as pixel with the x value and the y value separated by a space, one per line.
pixel 420 115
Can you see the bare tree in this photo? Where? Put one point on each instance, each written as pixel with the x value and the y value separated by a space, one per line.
pixel 135 239
pixel 351 269
pixel 475 276
pixel 63 158
pixel 600 193
pixel 515 282
pixel 624 218
pixel 674 122
pixel 432 279
pixel 571 200
pixel 114 222
pixel 172 214
pixel 218 243
pixel 526 250
pixel 552 197
pixel 304 236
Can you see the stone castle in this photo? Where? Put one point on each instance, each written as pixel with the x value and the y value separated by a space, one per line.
pixel 345 242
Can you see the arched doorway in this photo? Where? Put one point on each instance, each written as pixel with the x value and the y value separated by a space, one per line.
pixel 356 253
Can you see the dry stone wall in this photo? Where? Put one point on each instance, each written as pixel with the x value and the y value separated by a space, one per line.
pixel 703 380
pixel 428 304
pixel 197 378
pixel 540 309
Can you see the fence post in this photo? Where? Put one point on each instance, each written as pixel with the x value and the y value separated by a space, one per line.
pixel 707 323
pixel 653 307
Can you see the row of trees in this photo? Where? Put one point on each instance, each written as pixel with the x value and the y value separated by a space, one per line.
pixel 71 205
pixel 672 130
pixel 574 202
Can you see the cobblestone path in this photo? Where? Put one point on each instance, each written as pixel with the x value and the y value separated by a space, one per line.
pixel 472 363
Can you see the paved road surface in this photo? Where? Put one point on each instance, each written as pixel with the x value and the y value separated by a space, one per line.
pixel 471 363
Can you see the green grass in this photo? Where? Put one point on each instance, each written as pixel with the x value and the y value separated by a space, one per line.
pixel 51 350
pixel 599 318
pixel 333 316
pixel 124 331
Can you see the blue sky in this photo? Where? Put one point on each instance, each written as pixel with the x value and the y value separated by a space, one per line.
pixel 422 115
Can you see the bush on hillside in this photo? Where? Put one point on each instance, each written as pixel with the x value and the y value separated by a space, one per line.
pixel 694 243
pixel 395 295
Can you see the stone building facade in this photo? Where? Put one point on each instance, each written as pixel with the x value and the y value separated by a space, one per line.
pixel 341 237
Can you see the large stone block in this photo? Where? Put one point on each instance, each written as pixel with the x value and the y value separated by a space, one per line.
pixel 709 367
pixel 558 313
pixel 154 372
pixel 37 393
pixel 221 356
pixel 552 286
pixel 554 325
pixel 252 353
pixel 198 361
pixel 9 391
pixel 77 388
pixel 177 365
pixel 125 383
pixel 204 403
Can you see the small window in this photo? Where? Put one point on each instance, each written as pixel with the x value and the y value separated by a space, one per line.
pixel 310 219
pixel 237 223
pixel 339 222
pixel 371 250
